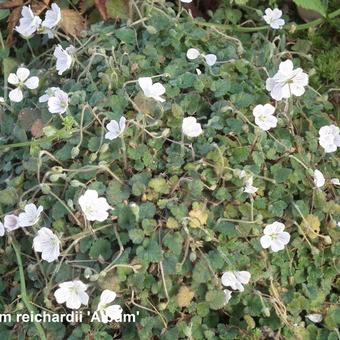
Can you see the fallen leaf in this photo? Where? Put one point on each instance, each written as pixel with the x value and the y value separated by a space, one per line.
pixel 198 217
pixel 38 6
pixel 113 9
pixel 11 23
pixel 84 5
pixel 101 6
pixel 311 226
pixel 27 117
pixel 37 128
pixel 184 296
pixel 11 3
pixel 72 22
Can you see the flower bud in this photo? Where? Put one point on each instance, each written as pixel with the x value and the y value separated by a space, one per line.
pixel 151 29
pixel 75 152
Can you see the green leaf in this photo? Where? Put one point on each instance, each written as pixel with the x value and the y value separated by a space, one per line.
pixel 313 5
pixel 4 13
pixel 101 248
pixel 117 9
pixel 215 298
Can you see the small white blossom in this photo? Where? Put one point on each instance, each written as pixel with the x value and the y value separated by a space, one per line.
pixel 64 58
pixel 48 244
pixel 193 53
pixel 314 317
pixel 109 312
pixel 73 293
pixel 273 18
pixel 2 229
pixel 115 129
pixel 48 93
pixel 11 222
pixel 242 174
pixel 191 128
pixel 227 295
pixel 30 216
pixel 58 102
pixel 287 81
pixel 329 138
pixel 28 23
pixel 186 1
pixel 21 80
pixel 235 279
pixel 249 188
pixel 198 71
pixel 319 179
pixel 94 207
pixel 274 237
pixel 52 17
pixel 335 181
pixel 210 59
pixel 264 117
pixel 2 99
pixel 151 90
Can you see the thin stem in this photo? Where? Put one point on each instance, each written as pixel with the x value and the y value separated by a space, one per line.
pixel 23 290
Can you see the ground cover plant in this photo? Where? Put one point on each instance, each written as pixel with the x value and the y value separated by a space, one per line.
pixel 181 171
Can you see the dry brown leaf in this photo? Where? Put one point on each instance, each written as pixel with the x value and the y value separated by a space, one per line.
pixel 84 5
pixel 101 6
pixel 12 3
pixel 184 296
pixel 11 22
pixel 27 116
pixel 37 128
pixel 72 22
pixel 38 6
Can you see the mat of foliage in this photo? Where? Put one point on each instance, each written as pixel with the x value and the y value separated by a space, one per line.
pixel 178 212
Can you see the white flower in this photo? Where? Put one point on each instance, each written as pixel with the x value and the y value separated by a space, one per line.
pixel 48 244
pixel 109 312
pixel 329 138
pixel 94 207
pixel 335 181
pixel 64 58
pixel 235 279
pixel 11 222
pixel 314 317
pixel 48 93
pixel 186 1
pixel 115 129
pixel 73 293
pixel 151 90
pixel 2 99
pixel 319 179
pixel 287 81
pixel 227 295
pixel 274 237
pixel 264 118
pixel 273 18
pixel 52 17
pixel 30 216
pixel 2 229
pixel 249 188
pixel 198 71
pixel 21 80
pixel 58 103
pixel 210 59
pixel 193 53
pixel 242 174
pixel 28 22
pixel 191 128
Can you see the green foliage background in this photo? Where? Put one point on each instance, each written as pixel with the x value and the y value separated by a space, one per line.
pixel 154 247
